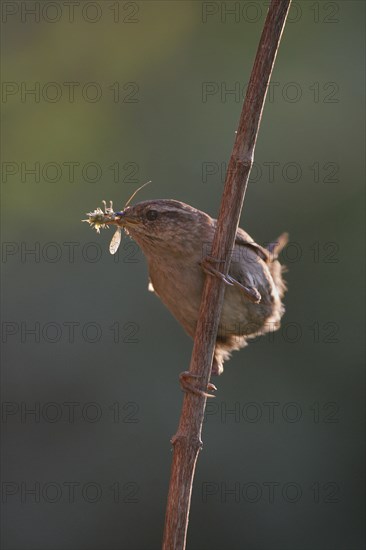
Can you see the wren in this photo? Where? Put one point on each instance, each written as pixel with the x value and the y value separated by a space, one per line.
pixel 176 240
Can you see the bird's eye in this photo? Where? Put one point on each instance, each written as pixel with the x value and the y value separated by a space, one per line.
pixel 151 215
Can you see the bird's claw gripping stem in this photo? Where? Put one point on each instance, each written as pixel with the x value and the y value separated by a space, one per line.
pixel 250 292
pixel 188 387
pixel 208 268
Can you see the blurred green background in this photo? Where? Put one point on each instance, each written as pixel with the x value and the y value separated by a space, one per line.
pixel 125 92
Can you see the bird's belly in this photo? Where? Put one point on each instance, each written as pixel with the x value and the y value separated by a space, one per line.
pixel 241 317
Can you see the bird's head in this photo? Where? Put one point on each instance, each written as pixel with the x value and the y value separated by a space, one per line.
pixel 164 225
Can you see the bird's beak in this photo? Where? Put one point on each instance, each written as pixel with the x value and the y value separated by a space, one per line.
pixel 124 218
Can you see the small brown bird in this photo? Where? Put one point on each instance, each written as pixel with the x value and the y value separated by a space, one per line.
pixel 176 240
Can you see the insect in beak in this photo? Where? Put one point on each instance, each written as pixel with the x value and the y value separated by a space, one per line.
pixel 99 219
pixel 116 241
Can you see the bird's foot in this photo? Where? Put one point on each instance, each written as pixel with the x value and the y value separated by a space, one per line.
pixel 188 387
pixel 208 268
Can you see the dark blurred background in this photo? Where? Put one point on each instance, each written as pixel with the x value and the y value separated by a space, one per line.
pixel 97 98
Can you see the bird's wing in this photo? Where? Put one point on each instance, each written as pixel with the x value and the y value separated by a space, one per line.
pixel 248 265
pixel 247 269
pixel 243 239
pixel 270 252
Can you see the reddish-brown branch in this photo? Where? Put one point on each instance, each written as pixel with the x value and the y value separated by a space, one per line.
pixel 187 441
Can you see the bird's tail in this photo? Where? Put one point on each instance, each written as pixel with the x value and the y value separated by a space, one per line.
pixel 276 246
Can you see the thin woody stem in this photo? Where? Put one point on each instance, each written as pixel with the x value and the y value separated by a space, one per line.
pixel 187 441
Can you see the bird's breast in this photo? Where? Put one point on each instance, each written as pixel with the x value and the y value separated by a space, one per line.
pixel 179 286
